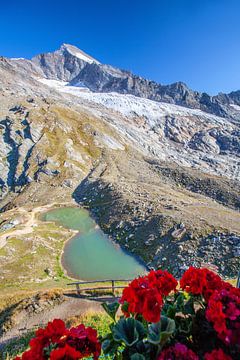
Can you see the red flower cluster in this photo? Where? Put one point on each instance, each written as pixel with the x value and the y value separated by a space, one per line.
pixel 65 353
pixel 201 282
pixel 44 338
pixel 223 311
pixel 217 355
pixel 145 295
pixel 84 340
pixel 178 352
pixel 56 342
pixel 223 302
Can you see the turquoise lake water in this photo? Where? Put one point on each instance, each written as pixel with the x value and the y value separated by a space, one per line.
pixel 90 254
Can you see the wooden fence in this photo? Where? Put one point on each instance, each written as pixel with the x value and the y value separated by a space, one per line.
pixel 112 285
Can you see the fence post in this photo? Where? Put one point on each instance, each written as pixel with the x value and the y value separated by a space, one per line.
pixel 113 289
pixel 78 289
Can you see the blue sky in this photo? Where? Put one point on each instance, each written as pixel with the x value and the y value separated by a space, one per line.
pixel 195 41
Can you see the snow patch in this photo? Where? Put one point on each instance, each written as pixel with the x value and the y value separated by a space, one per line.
pixel 236 107
pixel 130 105
pixel 57 84
pixel 73 50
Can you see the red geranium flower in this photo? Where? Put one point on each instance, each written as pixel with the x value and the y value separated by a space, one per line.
pixel 163 281
pixel 223 312
pixel 216 315
pixel 134 295
pixel 144 295
pixel 217 355
pixel 30 355
pixel 65 353
pixel 54 330
pixel 202 282
pixel 193 281
pixel 52 334
pixel 213 282
pixel 84 339
pixel 177 352
pixel 60 343
pixel 152 305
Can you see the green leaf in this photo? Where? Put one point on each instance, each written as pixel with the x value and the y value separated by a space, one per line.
pixel 110 347
pixel 154 333
pixel 106 346
pixel 125 306
pixel 167 324
pixel 158 333
pixel 137 356
pixel 167 329
pixel 128 331
pixel 111 309
pixel 189 307
pixel 171 311
pixel 180 302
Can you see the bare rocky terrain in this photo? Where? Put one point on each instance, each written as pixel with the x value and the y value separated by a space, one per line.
pixel 157 166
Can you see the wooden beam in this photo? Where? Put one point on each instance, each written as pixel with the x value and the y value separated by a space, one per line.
pixel 101 288
pixel 99 281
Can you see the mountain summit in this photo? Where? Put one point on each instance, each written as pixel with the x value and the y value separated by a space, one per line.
pixel 64 63
pixel 73 50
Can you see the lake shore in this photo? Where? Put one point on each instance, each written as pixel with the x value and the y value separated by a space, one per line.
pixel 92 241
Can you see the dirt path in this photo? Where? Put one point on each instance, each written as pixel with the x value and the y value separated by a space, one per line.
pixel 70 307
pixel 28 226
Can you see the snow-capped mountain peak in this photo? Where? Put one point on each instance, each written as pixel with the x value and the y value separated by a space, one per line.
pixel 73 50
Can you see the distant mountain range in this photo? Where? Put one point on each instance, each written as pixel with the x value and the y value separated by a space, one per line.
pixel 72 65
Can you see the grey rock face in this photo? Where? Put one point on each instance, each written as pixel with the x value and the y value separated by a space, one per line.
pixel 16 149
pixel 61 64
pixel 102 78
pixel 65 64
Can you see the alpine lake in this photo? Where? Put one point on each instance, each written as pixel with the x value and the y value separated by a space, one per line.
pixel 90 254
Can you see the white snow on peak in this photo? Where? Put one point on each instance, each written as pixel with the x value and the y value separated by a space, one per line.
pixel 130 105
pixel 79 53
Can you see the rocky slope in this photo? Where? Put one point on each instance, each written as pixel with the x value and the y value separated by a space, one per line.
pixel 158 165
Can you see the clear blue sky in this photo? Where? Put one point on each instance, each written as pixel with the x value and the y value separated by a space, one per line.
pixel 195 41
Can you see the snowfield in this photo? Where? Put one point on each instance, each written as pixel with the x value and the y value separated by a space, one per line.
pixel 130 105
pixel 79 54
pixel 165 131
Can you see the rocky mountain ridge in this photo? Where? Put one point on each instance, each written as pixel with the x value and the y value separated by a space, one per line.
pixel 105 78
pixel 79 69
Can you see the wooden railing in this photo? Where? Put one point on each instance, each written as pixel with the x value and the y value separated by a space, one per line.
pixel 112 285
